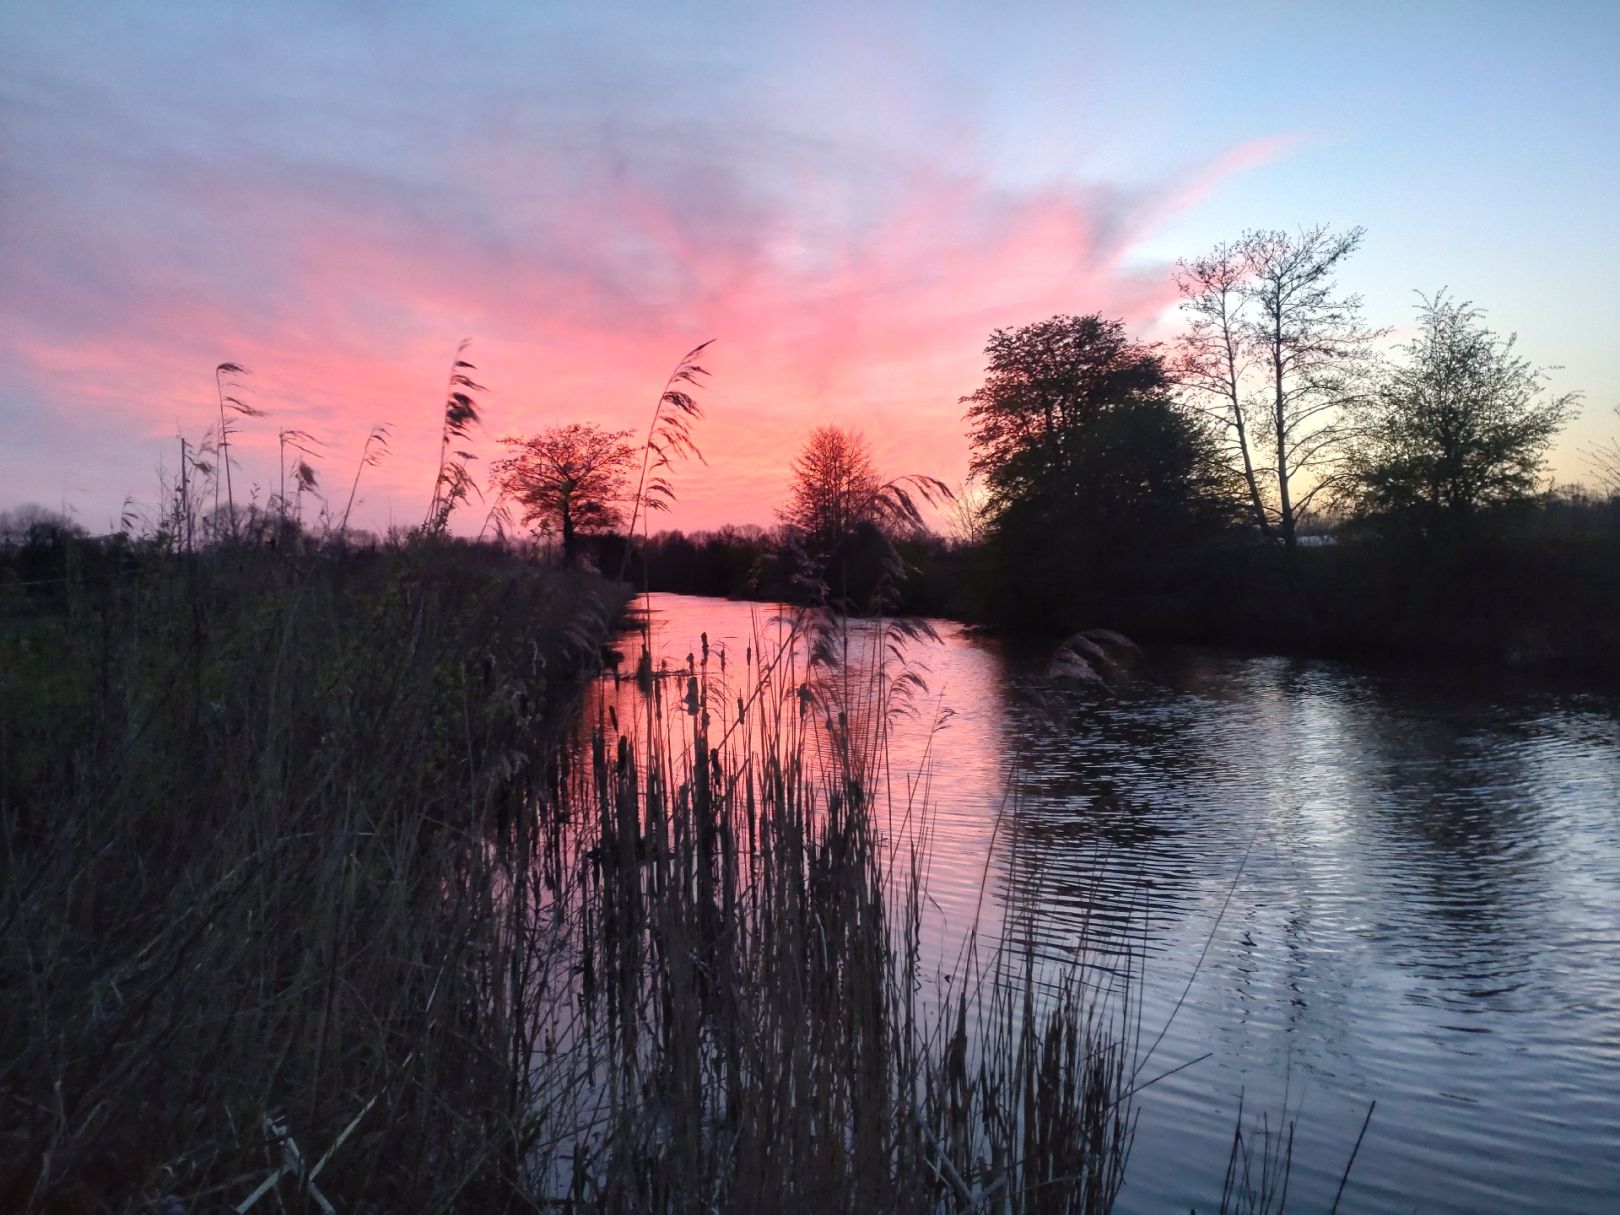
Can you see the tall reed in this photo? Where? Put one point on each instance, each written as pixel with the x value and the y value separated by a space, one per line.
pixel 228 405
pixel 304 904
pixel 737 916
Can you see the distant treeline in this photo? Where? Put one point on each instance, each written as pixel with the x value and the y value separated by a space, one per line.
pixel 751 562
pixel 1536 586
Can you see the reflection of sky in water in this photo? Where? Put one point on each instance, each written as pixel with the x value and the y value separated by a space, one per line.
pixel 1408 889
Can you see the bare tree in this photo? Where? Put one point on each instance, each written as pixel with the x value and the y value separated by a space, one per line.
pixel 1311 348
pixel 1604 459
pixel 1215 355
pixel 967 513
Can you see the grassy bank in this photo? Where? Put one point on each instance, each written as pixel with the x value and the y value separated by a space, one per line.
pixel 239 794
pixel 308 905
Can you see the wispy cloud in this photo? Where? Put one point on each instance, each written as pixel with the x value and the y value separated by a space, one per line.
pixel 583 247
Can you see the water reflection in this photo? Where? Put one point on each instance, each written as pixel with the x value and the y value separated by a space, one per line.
pixel 1341 884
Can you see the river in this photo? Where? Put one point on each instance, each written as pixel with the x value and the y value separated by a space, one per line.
pixel 1338 885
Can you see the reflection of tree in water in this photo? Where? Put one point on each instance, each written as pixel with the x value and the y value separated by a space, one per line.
pixel 1422 816
pixel 1090 796
pixel 1088 856
pixel 1462 830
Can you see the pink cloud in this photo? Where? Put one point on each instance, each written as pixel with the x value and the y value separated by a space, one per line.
pixel 839 290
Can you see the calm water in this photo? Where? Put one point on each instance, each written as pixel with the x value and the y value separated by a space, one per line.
pixel 1342 886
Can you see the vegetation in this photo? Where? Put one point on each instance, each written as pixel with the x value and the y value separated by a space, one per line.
pixel 320 908
pixel 1461 428
pixel 1605 462
pixel 1272 339
pixel 1096 480
pixel 453 482
pixel 567 479
pixel 237 793
pixel 834 490
pixel 310 900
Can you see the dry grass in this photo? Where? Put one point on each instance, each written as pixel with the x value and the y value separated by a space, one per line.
pixel 307 906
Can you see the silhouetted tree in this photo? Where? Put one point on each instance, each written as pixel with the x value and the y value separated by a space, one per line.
pixel 31 523
pixel 835 488
pixel 841 523
pixel 1093 474
pixel 1215 357
pixel 1462 426
pixel 1310 348
pixel 569 478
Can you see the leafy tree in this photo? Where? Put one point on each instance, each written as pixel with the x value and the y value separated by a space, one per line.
pixel 1044 385
pixel 1462 426
pixel 570 479
pixel 1093 475
pixel 835 487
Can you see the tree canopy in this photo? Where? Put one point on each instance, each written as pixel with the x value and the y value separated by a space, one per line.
pixel 1044 384
pixel 570 479
pixel 1092 471
pixel 1280 351
pixel 835 487
pixel 1462 425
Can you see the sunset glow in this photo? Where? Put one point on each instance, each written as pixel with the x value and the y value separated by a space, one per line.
pixel 336 202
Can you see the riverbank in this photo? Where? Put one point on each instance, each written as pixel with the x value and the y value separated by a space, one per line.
pixel 308 904
pixel 245 797
pixel 1549 609
pixel 1543 597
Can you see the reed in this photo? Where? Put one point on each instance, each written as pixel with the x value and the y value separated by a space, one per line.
pixel 308 906
pixel 748 1024
pixel 245 804
pixel 452 482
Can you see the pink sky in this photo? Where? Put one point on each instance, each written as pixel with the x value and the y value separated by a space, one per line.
pixel 848 200
pixel 861 297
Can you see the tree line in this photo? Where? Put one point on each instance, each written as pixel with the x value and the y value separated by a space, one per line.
pixel 1168 487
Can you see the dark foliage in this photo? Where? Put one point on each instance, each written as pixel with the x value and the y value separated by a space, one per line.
pixel 1099 485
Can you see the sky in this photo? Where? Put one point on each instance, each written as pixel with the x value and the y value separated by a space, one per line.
pixel 847 199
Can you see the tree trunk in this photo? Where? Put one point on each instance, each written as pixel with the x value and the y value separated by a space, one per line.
pixel 1285 503
pixel 1243 440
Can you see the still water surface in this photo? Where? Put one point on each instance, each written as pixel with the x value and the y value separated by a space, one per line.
pixel 1341 886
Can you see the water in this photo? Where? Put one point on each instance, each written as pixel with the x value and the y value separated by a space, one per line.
pixel 1341 885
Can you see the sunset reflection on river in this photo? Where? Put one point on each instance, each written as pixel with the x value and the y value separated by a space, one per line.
pixel 1339 885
